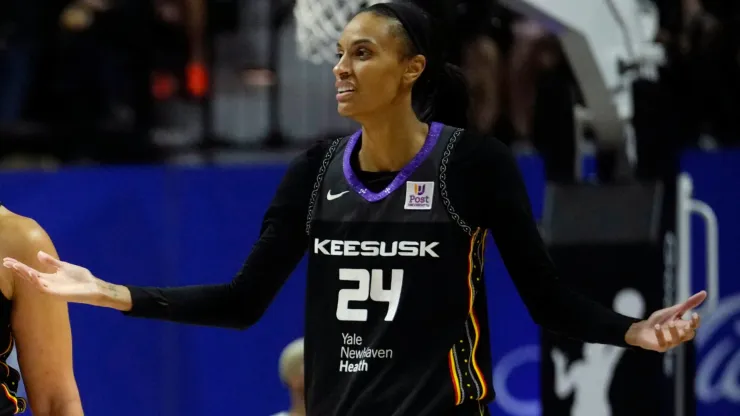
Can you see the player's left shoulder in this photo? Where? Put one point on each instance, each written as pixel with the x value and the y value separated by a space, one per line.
pixel 21 235
pixel 474 151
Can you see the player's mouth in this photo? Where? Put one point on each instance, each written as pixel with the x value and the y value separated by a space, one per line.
pixel 343 94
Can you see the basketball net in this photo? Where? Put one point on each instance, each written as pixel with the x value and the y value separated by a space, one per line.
pixel 319 24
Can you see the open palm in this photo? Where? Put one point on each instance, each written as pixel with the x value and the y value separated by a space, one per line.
pixel 68 281
pixel 666 328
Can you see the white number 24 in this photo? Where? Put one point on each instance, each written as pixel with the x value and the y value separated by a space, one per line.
pixel 370 285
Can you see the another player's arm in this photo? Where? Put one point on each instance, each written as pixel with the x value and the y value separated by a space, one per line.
pixel 40 324
pixel 551 303
pixel 240 303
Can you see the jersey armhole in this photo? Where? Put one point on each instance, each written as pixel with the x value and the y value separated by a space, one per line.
pixel 317 183
pixel 443 169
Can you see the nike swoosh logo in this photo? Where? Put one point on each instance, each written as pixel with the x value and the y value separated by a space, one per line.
pixel 331 197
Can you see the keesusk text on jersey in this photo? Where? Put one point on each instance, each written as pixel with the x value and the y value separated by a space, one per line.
pixel 375 248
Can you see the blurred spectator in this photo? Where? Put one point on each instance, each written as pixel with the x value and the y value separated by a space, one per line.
pixel 89 70
pixel 483 66
pixel 96 74
pixel 484 36
pixel 478 36
pixel 96 93
pixel 536 94
pixel 180 52
pixel 697 96
pixel 703 76
pixel 520 84
pixel 291 374
pixel 21 40
pixel 91 61
pixel 525 65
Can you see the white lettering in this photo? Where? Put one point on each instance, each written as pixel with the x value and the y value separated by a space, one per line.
pixel 390 296
pixel 353 359
pixel 408 248
pixel 320 246
pixel 370 248
pixel 368 288
pixel 352 339
pixel 428 249
pixel 336 248
pixel 367 352
pixel 347 367
pixel 375 248
pixel 360 294
pixel 388 253
pixel 350 248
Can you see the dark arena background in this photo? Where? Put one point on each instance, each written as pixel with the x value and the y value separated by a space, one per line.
pixel 154 133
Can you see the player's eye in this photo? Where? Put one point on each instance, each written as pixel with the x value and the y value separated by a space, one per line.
pixel 362 53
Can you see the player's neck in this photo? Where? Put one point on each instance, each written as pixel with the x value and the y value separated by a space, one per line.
pixel 390 140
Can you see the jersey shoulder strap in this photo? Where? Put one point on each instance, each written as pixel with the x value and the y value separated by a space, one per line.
pixel 328 156
pixel 444 166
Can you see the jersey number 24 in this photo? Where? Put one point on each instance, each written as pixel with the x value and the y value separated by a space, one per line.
pixel 370 286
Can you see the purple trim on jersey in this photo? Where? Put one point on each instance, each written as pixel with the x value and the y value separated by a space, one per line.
pixel 434 130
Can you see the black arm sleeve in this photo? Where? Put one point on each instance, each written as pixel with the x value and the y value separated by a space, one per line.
pixel 551 303
pixel 281 245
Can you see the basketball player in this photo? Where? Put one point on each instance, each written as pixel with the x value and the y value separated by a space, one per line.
pixel 38 325
pixel 292 376
pixel 394 219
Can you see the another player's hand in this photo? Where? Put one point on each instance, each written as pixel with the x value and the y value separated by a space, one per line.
pixel 558 358
pixel 70 282
pixel 666 329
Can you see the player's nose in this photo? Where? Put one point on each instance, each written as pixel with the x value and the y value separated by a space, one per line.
pixel 341 69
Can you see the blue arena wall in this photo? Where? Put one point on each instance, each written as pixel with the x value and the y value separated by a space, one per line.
pixel 179 226
pixel 715 179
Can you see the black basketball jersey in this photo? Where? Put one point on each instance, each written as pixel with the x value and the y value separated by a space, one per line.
pixel 396 320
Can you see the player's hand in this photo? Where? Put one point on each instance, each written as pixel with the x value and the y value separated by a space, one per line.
pixel 558 358
pixel 68 281
pixel 666 329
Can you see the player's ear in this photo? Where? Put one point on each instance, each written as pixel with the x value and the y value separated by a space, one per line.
pixel 414 68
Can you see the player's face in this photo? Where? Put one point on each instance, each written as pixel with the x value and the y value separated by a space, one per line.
pixel 373 72
pixel 297 381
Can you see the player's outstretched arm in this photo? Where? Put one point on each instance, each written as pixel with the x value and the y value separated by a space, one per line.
pixel 42 332
pixel 68 282
pixel 236 304
pixel 551 302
